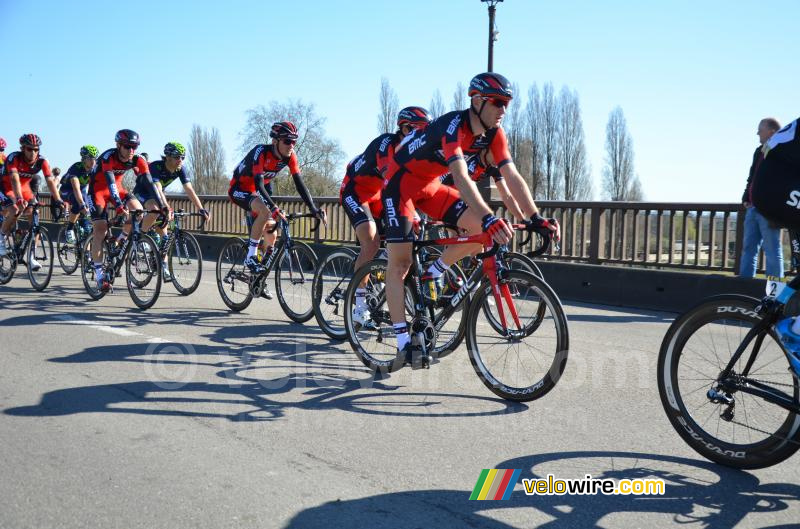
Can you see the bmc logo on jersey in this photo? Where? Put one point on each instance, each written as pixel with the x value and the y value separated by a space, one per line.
pixel 257 153
pixel 385 144
pixel 360 161
pixel 794 199
pixel 416 144
pixel 451 128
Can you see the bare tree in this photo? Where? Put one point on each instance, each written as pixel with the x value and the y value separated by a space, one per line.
pixel 533 111
pixel 205 161
pixel 574 166
pixel 618 176
pixel 389 106
pixel 459 97
pixel 319 156
pixel 548 121
pixel 437 105
pixel 513 124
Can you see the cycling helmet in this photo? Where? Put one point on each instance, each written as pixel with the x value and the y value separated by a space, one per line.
pixel 490 84
pixel 283 129
pixel 414 116
pixel 3 144
pixel 127 137
pixel 30 140
pixel 89 151
pixel 174 148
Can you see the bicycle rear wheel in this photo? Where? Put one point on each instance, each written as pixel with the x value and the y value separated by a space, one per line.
pixel 68 253
pixel 519 363
pixel 40 250
pixel 8 262
pixel 233 278
pixel 185 262
pixel 330 284
pixel 87 269
pixel 748 432
pixel 143 272
pixel 294 278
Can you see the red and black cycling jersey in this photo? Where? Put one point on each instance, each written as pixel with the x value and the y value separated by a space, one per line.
pixel 107 175
pixel 373 161
pixel 28 173
pixel 259 167
pixel 426 153
pixel 785 144
pixel 477 170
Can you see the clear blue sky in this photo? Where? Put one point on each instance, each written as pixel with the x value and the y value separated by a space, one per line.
pixel 693 78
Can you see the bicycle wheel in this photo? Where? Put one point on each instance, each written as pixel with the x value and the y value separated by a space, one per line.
pixel 373 342
pixel 515 261
pixel 520 261
pixel 330 283
pixel 294 278
pixel 753 433
pixel 87 270
pixel 513 362
pixel 40 250
pixel 68 253
pixel 450 332
pixel 8 262
pixel 143 272
pixel 185 262
pixel 233 278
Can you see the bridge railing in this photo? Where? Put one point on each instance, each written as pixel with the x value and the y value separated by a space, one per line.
pixel 705 236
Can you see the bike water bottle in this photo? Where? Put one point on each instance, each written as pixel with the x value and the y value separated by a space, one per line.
pixel 429 289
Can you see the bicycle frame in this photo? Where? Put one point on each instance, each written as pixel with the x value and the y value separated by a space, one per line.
pixel 19 249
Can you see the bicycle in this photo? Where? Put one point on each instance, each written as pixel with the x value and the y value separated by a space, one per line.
pixel 494 352
pixel 741 410
pixel 138 252
pixel 181 252
pixel 70 254
pixel 26 245
pixel 294 264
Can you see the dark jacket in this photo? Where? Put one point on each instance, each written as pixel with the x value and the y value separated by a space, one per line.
pixel 758 157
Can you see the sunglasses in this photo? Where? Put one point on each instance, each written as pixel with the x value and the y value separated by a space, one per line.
pixel 499 103
pixel 32 149
pixel 179 157
pixel 130 147
pixel 288 142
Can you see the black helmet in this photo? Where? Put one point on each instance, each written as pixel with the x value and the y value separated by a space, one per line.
pixel 127 137
pixel 30 140
pixel 283 129
pixel 414 116
pixel 490 84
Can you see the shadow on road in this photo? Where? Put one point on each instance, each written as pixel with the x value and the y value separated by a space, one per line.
pixel 721 499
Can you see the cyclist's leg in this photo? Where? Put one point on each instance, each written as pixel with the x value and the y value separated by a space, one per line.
pixel 100 229
pixel 751 243
pixel 444 203
pixel 150 204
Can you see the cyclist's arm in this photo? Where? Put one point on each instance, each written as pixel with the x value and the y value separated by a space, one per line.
pixel 76 190
pixel 111 181
pixel 262 191
pixel 160 189
pixel 193 196
pixel 302 190
pixel 519 190
pixel 147 180
pixel 509 200
pixel 13 176
pixel 466 187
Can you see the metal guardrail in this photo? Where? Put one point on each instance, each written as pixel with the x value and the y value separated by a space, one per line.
pixel 705 236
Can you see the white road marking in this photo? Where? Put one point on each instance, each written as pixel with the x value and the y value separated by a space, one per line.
pixel 107 328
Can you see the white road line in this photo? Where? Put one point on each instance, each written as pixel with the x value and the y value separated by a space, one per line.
pixel 106 328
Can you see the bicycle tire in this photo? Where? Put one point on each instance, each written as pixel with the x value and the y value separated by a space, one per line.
pixel 532 293
pixel 233 275
pixel 68 254
pixel 331 280
pixel 710 319
pixel 8 262
pixel 42 252
pixel 144 259
pixel 294 275
pixel 184 250
pixel 87 270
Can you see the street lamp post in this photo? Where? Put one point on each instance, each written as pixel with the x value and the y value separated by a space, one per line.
pixel 492 32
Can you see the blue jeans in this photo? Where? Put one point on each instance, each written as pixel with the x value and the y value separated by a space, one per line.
pixel 756 231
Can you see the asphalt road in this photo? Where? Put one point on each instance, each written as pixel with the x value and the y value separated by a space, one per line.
pixel 190 416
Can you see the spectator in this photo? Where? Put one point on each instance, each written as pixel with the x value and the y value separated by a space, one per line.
pixel 757 229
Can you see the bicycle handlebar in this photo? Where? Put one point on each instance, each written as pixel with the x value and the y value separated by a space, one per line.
pixel 294 216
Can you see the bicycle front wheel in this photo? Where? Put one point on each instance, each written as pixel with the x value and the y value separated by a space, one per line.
pixel 40 260
pixel 233 278
pixel 330 283
pixel 517 361
pixel 87 270
pixel 143 272
pixel 294 277
pixel 747 431
pixel 68 253
pixel 185 262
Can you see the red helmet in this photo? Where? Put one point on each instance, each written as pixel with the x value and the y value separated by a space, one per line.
pixel 30 140
pixel 414 116
pixel 3 144
pixel 490 84
pixel 283 129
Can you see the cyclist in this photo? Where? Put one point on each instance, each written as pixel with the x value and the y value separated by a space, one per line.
pixel 164 172
pixel 776 194
pixel 20 185
pixel 247 188
pixel 412 181
pixel 74 189
pixel 105 189
pixel 360 193
pixel 3 146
